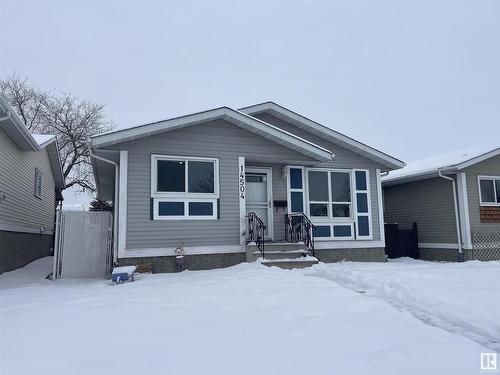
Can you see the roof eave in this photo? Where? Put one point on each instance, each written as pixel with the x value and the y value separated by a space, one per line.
pixel 248 122
pixel 18 131
pixel 372 153
pixel 418 176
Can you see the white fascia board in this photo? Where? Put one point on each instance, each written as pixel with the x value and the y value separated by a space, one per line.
pixel 17 130
pixel 258 108
pixel 478 159
pixel 55 162
pixel 240 119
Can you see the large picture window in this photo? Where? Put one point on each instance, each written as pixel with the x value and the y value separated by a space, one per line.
pixel 329 194
pixel 184 187
pixel 489 190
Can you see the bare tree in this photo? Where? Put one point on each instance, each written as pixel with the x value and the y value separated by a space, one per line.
pixel 71 119
pixel 26 99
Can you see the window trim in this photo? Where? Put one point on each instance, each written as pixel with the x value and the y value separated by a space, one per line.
pixel 38 174
pixel 185 196
pixel 488 178
pixel 182 195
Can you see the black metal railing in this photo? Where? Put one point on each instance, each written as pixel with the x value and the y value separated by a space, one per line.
pixel 255 231
pixel 299 228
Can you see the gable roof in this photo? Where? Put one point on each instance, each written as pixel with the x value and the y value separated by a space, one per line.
pixel 449 162
pixel 12 125
pixel 238 118
pixel 331 135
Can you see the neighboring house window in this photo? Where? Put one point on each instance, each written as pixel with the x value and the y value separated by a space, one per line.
pixel 184 187
pixel 489 190
pixel 38 183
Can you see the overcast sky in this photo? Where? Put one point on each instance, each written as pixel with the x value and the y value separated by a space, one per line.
pixel 411 78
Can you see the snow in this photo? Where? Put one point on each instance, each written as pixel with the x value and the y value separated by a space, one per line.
pixel 462 298
pixel 129 270
pixel 77 200
pixel 247 319
pixel 41 139
pixel 433 163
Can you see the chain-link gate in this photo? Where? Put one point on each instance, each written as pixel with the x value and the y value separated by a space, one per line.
pixel 486 245
pixel 83 244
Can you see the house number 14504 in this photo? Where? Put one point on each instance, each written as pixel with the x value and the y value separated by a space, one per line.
pixel 242 182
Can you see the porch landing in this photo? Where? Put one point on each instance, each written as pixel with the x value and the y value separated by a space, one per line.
pixel 282 254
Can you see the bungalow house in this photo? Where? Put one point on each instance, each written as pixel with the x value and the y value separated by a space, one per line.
pixel 31 180
pixel 454 199
pixel 209 183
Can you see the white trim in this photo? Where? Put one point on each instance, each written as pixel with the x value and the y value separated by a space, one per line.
pixel 488 178
pixel 438 245
pixel 307 123
pixel 122 202
pixel 380 199
pixel 242 198
pixel 353 244
pixel 24 228
pixel 225 113
pixel 191 250
pixel 479 159
pixel 269 186
pixel 463 206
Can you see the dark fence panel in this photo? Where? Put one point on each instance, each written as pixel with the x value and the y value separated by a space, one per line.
pixel 401 242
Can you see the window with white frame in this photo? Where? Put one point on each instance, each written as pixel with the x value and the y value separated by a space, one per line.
pixel 329 194
pixel 336 200
pixel 489 190
pixel 38 183
pixel 184 187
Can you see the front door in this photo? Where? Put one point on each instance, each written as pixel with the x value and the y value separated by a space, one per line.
pixel 259 197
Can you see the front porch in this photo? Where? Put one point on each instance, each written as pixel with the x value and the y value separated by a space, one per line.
pixel 286 210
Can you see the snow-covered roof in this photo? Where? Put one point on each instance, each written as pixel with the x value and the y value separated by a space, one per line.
pixel 43 139
pixel 447 162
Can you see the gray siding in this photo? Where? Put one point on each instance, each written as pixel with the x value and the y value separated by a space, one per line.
pixel 490 167
pixel 428 203
pixel 214 139
pixel 225 141
pixel 344 158
pixel 17 177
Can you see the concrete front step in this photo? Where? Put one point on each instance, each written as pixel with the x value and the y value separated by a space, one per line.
pixel 293 254
pixel 277 246
pixel 289 264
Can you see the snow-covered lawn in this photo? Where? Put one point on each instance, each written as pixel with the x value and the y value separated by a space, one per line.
pixel 247 319
pixel 463 298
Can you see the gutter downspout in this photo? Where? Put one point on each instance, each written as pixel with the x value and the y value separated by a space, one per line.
pixel 457 220
pixel 115 203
